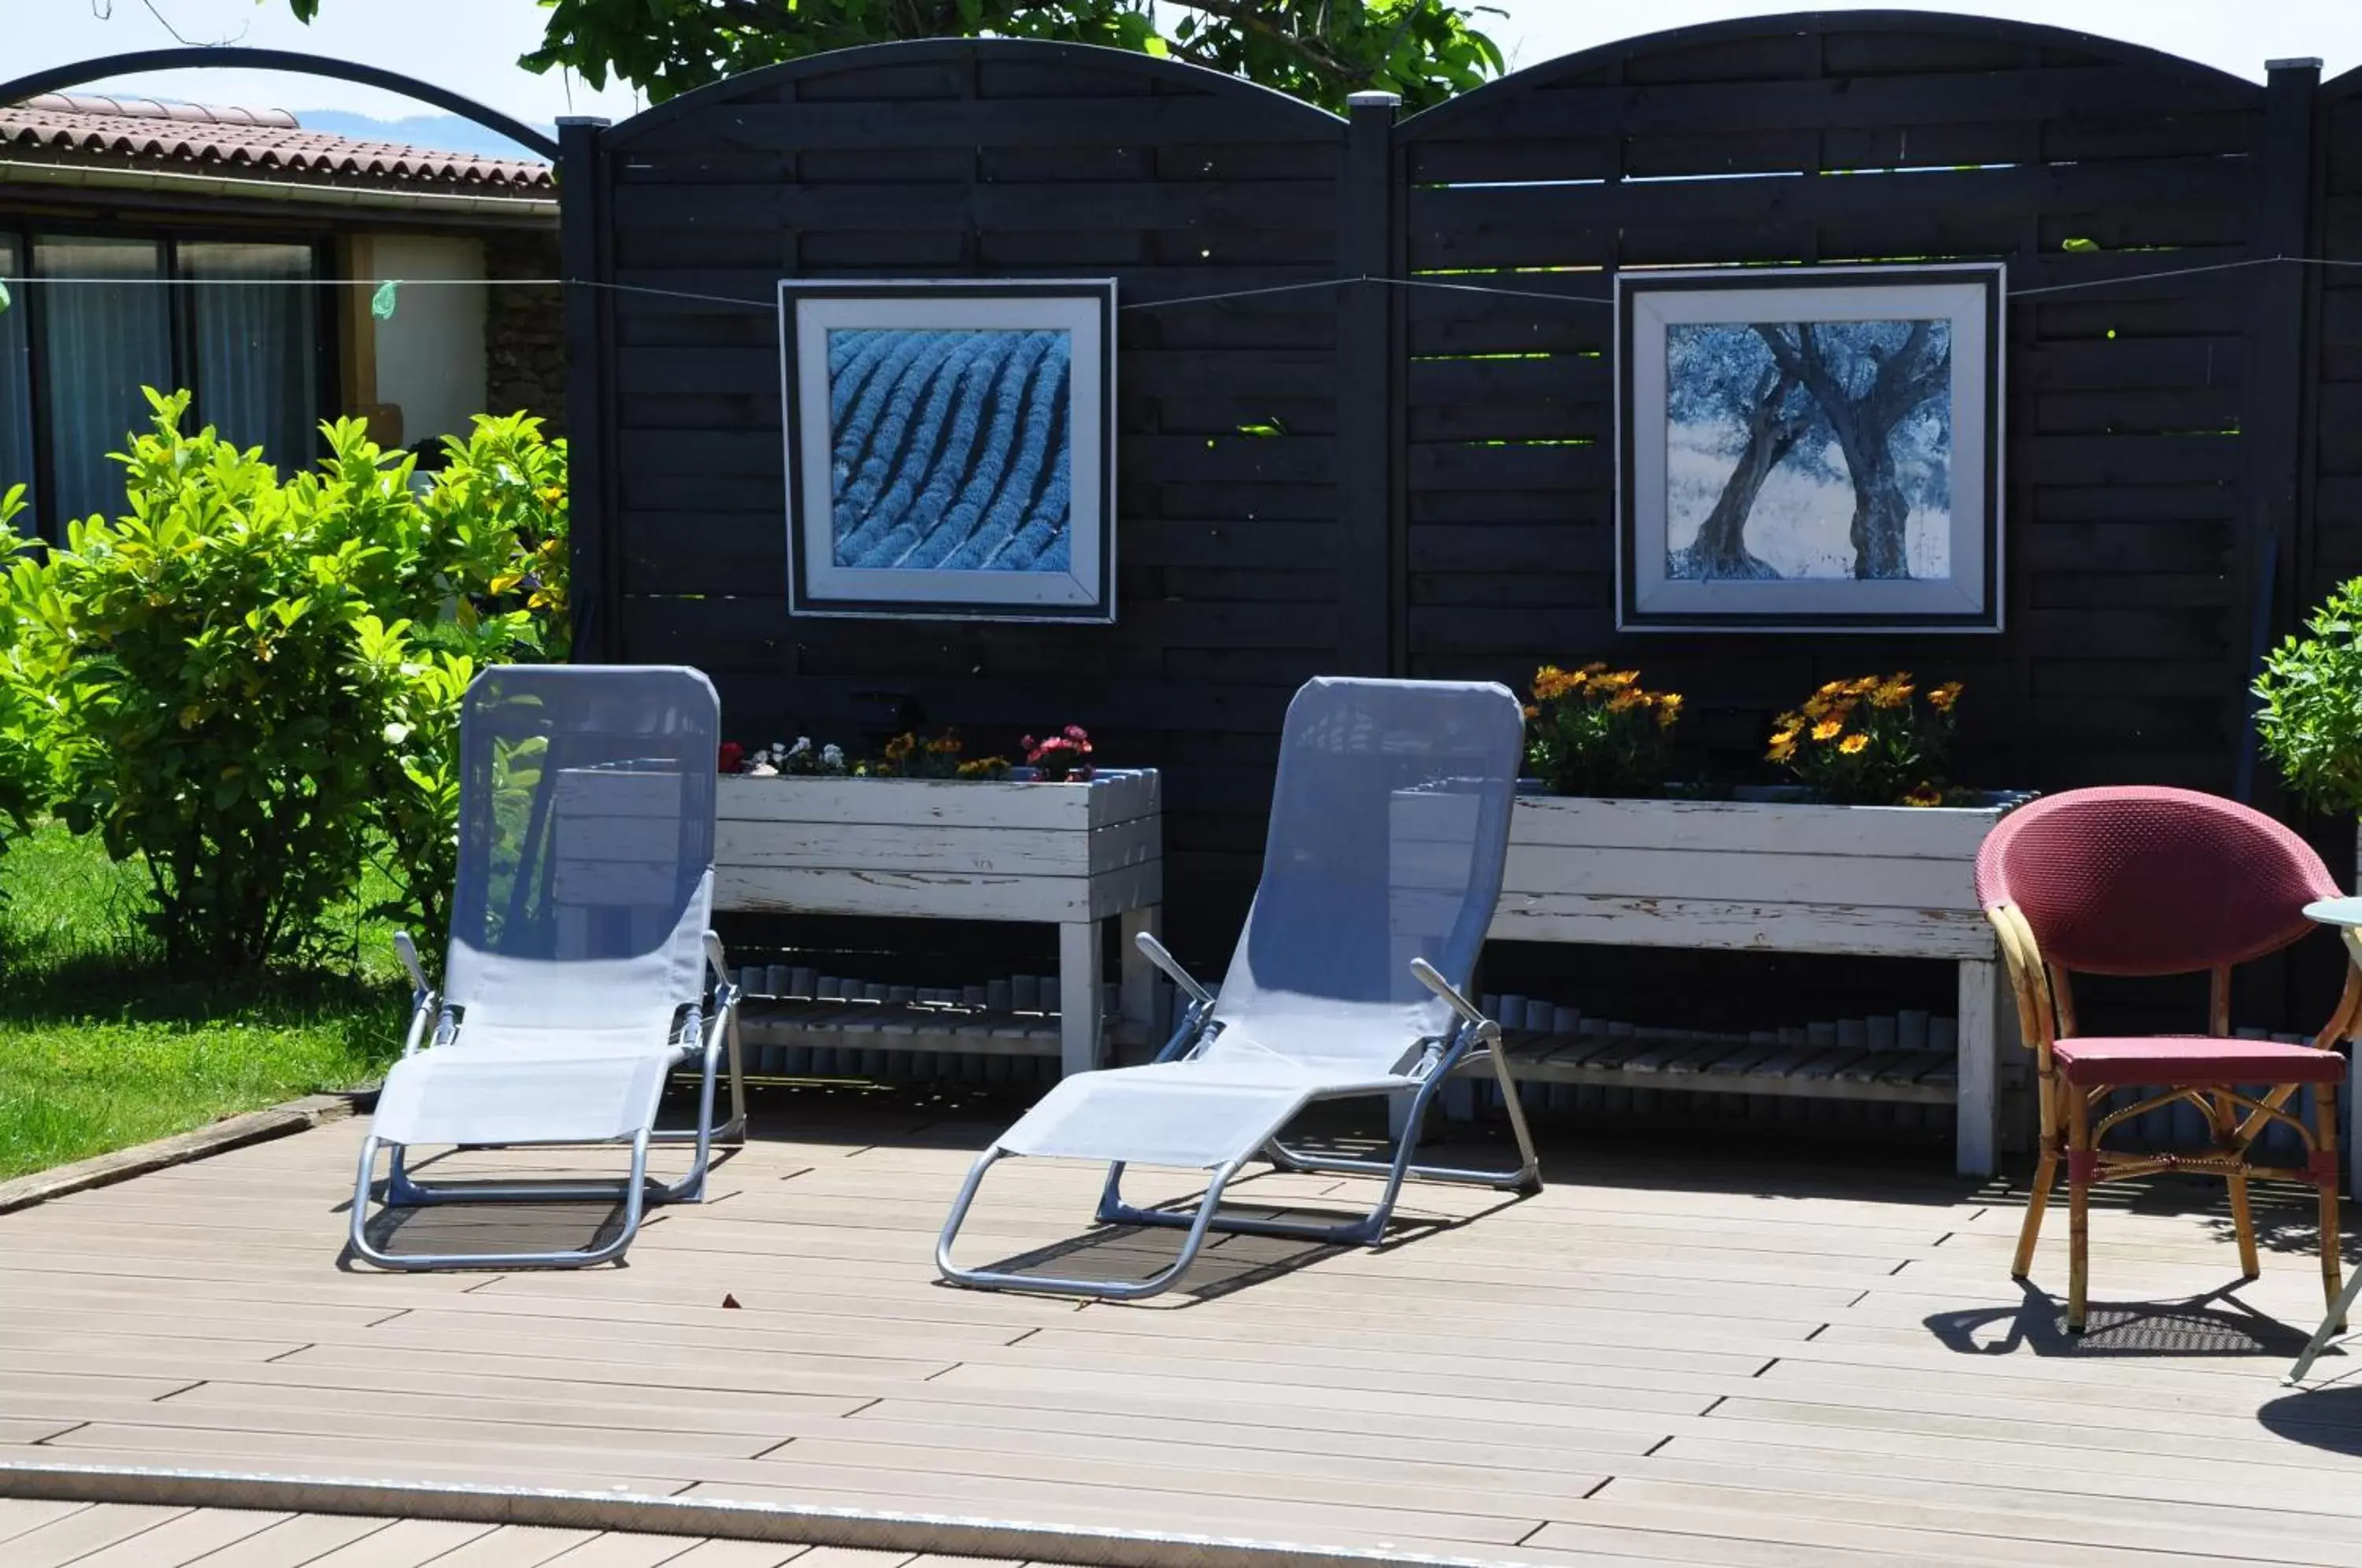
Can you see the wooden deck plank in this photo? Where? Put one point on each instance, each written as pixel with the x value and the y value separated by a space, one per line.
pixel 18 1515
pixel 180 1541
pixel 1605 1374
pixel 406 1543
pixel 85 1530
pixel 295 1542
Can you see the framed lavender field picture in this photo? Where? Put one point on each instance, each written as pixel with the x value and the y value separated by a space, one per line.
pixel 949 449
pixel 1812 449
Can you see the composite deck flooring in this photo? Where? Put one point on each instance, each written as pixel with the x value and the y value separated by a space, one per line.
pixel 129 1535
pixel 1759 1363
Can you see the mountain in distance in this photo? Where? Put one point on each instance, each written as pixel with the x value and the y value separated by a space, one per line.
pixel 434 133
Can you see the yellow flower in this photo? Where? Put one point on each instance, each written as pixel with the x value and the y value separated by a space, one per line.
pixel 1783 749
pixel 1618 680
pixel 1925 795
pixel 901 746
pixel 1830 729
pixel 1533 711
pixel 1943 696
pixel 1791 721
pixel 1594 667
pixel 1668 709
pixel 1891 693
pixel 1626 699
pixel 1787 736
pixel 1853 745
pixel 1550 683
pixel 1817 707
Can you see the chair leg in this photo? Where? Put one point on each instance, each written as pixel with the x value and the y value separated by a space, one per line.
pixel 2324 1116
pixel 633 1191
pixel 2243 1224
pixel 1105 1289
pixel 2079 1164
pixel 2225 1119
pixel 2046 1172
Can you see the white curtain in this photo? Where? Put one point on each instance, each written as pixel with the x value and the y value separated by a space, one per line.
pixel 257 346
pixel 101 343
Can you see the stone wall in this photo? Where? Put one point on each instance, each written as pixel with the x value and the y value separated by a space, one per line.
pixel 524 328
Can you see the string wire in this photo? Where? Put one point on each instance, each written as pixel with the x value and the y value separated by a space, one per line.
pixel 741 302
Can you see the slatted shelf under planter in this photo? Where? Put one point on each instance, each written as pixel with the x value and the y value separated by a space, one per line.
pixel 1068 854
pixel 1870 881
pixel 1911 1059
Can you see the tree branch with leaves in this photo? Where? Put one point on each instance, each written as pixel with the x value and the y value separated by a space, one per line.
pixel 1321 50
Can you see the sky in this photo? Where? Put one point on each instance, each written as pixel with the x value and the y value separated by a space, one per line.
pixel 471 46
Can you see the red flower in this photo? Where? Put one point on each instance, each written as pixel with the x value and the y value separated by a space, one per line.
pixel 733 755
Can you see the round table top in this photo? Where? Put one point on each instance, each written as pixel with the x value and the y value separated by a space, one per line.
pixel 2335 911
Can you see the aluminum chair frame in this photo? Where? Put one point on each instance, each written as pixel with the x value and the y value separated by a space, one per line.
pixel 707 1040
pixel 2341 913
pixel 1475 1038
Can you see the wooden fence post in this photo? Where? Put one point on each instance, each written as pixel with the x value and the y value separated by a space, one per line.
pixel 2274 427
pixel 582 252
pixel 1370 557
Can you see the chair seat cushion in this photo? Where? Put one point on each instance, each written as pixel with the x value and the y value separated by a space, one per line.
pixel 2165 1059
pixel 457 1095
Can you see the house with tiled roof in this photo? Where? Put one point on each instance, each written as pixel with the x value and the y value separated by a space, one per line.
pixel 164 244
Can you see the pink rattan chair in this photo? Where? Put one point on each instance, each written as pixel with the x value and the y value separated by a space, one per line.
pixel 2148 881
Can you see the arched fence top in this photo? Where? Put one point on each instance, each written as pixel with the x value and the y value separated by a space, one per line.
pixel 752 85
pixel 1567 69
pixel 57 78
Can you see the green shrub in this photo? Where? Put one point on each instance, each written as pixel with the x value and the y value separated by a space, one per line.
pixel 502 490
pixel 2311 720
pixel 28 785
pixel 243 675
pixel 499 509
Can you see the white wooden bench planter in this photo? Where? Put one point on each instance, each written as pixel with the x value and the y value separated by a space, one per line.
pixel 1069 855
pixel 1866 881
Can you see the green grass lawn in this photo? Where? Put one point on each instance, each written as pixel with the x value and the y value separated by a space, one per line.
pixel 101 1048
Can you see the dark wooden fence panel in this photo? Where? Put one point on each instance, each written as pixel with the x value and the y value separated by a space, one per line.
pixel 2181 473
pixel 2124 474
pixel 2335 370
pixel 987 160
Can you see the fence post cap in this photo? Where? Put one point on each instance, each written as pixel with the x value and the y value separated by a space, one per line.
pixel 1373 99
pixel 599 120
pixel 2301 63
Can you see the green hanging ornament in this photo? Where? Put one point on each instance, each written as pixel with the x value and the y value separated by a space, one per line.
pixel 382 303
pixel 4 296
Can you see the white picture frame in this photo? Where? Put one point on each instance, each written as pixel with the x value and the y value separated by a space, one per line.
pixel 1910 357
pixel 955 459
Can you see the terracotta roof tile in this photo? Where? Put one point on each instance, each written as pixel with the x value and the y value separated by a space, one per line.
pixel 247 143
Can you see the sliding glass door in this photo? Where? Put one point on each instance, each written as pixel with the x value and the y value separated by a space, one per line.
pixel 255 345
pixel 98 317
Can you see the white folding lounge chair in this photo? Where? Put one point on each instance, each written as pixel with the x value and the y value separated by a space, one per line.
pixel 575 980
pixel 1389 825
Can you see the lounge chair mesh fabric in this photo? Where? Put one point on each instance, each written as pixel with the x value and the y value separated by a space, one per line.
pixel 1389 825
pixel 580 912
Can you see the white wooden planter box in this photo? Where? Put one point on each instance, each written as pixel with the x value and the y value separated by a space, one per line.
pixel 1874 881
pixel 1070 854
